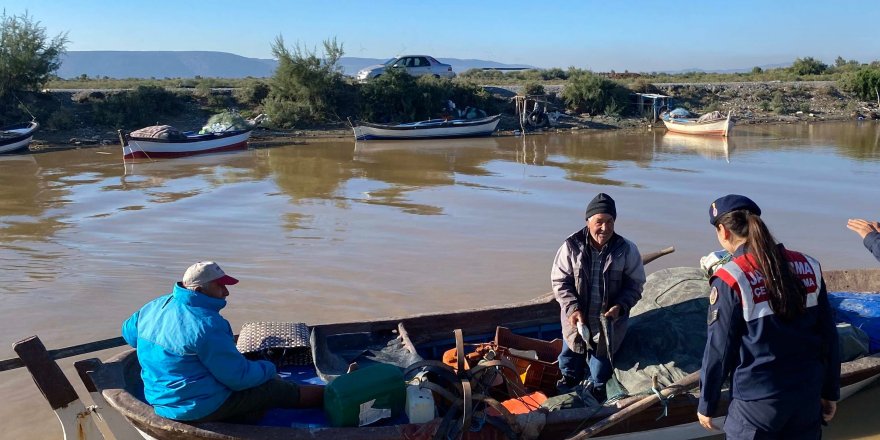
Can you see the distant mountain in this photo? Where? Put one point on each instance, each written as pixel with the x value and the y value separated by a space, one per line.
pixel 741 70
pixel 188 64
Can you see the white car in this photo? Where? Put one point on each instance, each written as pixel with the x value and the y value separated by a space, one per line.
pixel 415 65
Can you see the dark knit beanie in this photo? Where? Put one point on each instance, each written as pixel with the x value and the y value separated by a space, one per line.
pixel 601 204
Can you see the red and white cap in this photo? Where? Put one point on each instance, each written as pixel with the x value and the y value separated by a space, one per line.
pixel 204 272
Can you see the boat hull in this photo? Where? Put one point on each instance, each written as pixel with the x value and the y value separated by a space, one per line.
pixel 691 126
pixel 433 129
pixel 135 148
pixel 20 137
pixel 118 379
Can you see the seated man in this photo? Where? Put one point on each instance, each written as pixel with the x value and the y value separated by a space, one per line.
pixel 189 364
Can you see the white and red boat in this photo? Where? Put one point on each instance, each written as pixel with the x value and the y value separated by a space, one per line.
pixel 710 124
pixel 164 141
pixel 17 137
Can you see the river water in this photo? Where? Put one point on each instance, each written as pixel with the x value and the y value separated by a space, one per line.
pixel 337 231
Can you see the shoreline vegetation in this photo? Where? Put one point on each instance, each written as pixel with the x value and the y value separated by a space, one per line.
pixel 309 96
pixel 751 102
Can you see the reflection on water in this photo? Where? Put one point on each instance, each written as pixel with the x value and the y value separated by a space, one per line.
pixel 712 147
pixel 332 231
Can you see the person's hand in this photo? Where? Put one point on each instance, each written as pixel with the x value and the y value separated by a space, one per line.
pixel 862 227
pixel 829 408
pixel 574 318
pixel 706 422
pixel 613 312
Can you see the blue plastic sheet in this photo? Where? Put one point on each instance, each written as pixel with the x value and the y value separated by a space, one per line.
pixel 862 310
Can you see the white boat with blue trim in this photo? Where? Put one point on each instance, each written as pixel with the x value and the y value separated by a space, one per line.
pixel 17 137
pixel 430 129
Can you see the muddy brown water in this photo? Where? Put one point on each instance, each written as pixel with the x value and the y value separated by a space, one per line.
pixel 337 231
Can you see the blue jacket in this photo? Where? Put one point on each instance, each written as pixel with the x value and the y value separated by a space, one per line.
pixel 766 356
pixel 189 363
pixel 872 242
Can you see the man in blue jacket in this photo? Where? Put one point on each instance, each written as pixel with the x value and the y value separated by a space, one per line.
pixel 870 233
pixel 189 364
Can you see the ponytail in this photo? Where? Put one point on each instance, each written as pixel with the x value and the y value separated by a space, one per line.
pixel 786 291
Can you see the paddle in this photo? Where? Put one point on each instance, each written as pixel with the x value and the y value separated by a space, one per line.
pixel 683 384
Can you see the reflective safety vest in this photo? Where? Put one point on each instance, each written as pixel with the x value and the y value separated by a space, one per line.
pixel 745 278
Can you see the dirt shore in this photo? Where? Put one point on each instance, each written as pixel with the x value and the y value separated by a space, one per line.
pixel 750 103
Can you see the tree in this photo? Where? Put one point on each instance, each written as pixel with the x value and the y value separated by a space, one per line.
pixel 305 87
pixel 808 66
pixel 28 58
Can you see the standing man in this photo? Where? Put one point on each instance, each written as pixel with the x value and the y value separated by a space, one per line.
pixel 870 233
pixel 597 278
pixel 189 364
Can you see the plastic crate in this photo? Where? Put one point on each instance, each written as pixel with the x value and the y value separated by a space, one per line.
pixel 541 373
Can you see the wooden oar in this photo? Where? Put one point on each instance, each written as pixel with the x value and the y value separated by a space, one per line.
pixel 683 384
pixel 66 352
pixel 647 258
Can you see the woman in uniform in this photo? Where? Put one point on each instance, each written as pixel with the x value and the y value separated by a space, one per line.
pixel 770 331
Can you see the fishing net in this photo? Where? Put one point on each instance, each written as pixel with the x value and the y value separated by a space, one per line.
pixel 226 121
pixel 675 300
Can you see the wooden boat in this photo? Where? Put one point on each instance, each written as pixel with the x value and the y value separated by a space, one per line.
pixel 116 383
pixel 430 129
pixel 17 137
pixel 699 126
pixel 134 147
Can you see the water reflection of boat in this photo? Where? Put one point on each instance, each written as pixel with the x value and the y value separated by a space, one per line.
pixel 186 165
pixel 707 146
pixel 426 144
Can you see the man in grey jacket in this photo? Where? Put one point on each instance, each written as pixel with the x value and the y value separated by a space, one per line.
pixel 597 278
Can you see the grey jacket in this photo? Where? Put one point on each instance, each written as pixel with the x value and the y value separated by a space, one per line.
pixel 624 276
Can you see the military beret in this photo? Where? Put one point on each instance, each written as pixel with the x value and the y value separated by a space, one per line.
pixel 731 202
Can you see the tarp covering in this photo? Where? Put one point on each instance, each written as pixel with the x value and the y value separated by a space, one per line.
pixel 862 310
pixel 711 117
pixel 165 132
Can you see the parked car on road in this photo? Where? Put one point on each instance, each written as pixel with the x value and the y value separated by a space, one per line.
pixel 415 65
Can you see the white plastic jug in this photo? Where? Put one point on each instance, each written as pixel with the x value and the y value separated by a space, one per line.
pixel 419 404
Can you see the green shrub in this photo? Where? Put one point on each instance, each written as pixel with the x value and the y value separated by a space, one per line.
pixel 778 104
pixel 808 66
pixel 590 93
pixel 306 89
pixel 252 94
pixel 397 96
pixel 61 119
pixel 864 83
pixel 28 58
pixel 144 105
pixel 533 88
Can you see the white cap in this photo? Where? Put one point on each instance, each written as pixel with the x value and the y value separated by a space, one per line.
pixel 204 272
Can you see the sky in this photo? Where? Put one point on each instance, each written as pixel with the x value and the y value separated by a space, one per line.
pixel 634 35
